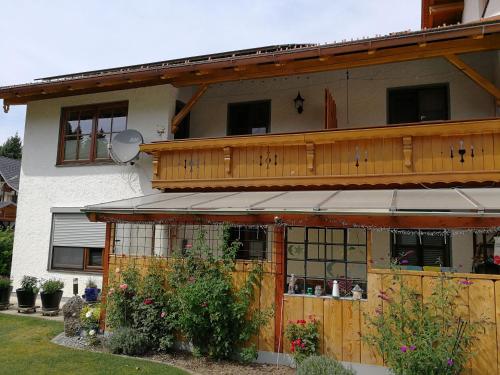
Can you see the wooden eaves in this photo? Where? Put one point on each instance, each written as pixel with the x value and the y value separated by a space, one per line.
pixel 406 46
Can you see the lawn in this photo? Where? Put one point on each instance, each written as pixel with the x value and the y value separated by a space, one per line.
pixel 25 348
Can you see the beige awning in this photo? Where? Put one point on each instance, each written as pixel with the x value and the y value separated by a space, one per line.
pixel 453 202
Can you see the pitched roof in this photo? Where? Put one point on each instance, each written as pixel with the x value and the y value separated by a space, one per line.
pixel 180 71
pixel 10 169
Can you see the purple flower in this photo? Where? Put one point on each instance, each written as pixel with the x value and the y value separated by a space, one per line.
pixel 466 282
pixel 404 261
pixel 450 362
pixel 404 348
pixel 413 348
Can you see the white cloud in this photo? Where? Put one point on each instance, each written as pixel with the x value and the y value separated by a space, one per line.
pixel 42 38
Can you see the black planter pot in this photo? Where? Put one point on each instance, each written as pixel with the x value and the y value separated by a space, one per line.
pixel 26 299
pixel 51 301
pixel 5 296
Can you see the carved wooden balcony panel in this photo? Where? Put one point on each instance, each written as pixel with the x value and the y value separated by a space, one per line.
pixel 438 153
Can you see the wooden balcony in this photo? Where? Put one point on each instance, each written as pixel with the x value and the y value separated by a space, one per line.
pixel 437 153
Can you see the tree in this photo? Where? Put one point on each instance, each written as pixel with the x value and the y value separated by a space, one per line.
pixel 12 147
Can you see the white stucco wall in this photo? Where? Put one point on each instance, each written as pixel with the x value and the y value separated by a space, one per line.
pixel 44 186
pixel 367 95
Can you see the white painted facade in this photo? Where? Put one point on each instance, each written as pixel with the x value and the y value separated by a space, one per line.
pixel 45 186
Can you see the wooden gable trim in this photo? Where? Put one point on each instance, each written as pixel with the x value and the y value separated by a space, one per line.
pixel 177 119
pixel 473 74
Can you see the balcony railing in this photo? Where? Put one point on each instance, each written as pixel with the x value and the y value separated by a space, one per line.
pixel 437 153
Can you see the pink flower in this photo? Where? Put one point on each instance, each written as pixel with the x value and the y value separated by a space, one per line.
pixel 450 362
pixel 163 314
pixel 379 310
pixel 204 304
pixel 404 348
pixel 148 301
pixel 382 295
pixel 413 348
pixel 111 291
pixel 123 286
pixel 117 270
pixel 189 246
pixel 466 282
pixel 404 261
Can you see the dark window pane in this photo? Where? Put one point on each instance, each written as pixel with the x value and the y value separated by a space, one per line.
pixel 95 257
pixel 67 257
pixel 253 242
pixel 249 117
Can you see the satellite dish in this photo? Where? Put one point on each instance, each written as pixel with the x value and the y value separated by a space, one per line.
pixel 124 147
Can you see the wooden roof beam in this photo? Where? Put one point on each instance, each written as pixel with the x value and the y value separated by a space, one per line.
pixel 176 120
pixel 475 76
pixel 440 9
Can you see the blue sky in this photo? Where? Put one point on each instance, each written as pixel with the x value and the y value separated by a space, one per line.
pixel 43 38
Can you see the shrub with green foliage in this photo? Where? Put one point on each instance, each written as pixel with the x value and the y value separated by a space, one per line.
pixel 6 244
pixel 143 304
pixel 89 318
pixel 51 286
pixel 321 365
pixel 29 284
pixel 423 338
pixel 128 341
pixel 5 282
pixel 209 311
pixel 304 338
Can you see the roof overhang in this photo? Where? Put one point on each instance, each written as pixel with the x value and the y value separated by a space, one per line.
pixel 296 59
pixel 458 204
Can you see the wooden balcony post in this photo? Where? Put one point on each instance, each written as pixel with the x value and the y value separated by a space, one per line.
pixel 227 160
pixel 310 154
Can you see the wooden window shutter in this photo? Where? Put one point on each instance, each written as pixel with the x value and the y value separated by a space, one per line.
pixel 330 111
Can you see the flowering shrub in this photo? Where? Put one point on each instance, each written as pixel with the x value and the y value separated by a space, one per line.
pixel 90 317
pixel 209 311
pixel 422 338
pixel 304 338
pixel 142 304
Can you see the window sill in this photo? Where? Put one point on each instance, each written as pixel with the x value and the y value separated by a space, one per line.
pixel 324 297
pixel 85 164
pixel 79 272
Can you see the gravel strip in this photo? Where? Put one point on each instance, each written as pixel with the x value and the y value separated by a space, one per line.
pixel 185 361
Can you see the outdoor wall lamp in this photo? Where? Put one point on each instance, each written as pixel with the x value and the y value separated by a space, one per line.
pixel 299 103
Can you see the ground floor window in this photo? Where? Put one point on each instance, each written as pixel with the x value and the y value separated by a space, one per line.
pixel 77 243
pixel 318 256
pixel 419 249
pixel 252 242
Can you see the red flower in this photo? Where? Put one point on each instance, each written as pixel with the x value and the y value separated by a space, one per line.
pixel 292 348
pixel 148 301
pixel 204 304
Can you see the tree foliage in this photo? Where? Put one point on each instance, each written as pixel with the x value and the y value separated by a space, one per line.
pixel 12 147
pixel 6 243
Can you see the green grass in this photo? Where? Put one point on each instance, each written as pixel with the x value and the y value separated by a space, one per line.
pixel 25 348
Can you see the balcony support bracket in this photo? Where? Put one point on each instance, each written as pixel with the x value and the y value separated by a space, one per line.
pixel 310 154
pixel 407 151
pixel 177 119
pixel 227 160
pixel 156 166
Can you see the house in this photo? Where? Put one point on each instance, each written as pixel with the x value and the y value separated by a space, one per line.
pixel 9 180
pixel 326 160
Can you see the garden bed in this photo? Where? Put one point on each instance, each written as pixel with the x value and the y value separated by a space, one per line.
pixel 186 361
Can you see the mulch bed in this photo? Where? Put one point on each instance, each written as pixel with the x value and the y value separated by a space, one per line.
pixel 186 361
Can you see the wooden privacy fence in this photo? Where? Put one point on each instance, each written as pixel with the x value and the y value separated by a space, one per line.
pixel 342 322
pixel 426 153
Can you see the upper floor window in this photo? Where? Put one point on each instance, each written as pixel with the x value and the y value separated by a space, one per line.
pixel 249 117
pixel 415 104
pixel 87 130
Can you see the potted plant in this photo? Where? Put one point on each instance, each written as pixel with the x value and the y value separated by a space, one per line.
pixel 51 294
pixel 26 294
pixel 91 291
pixel 5 290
